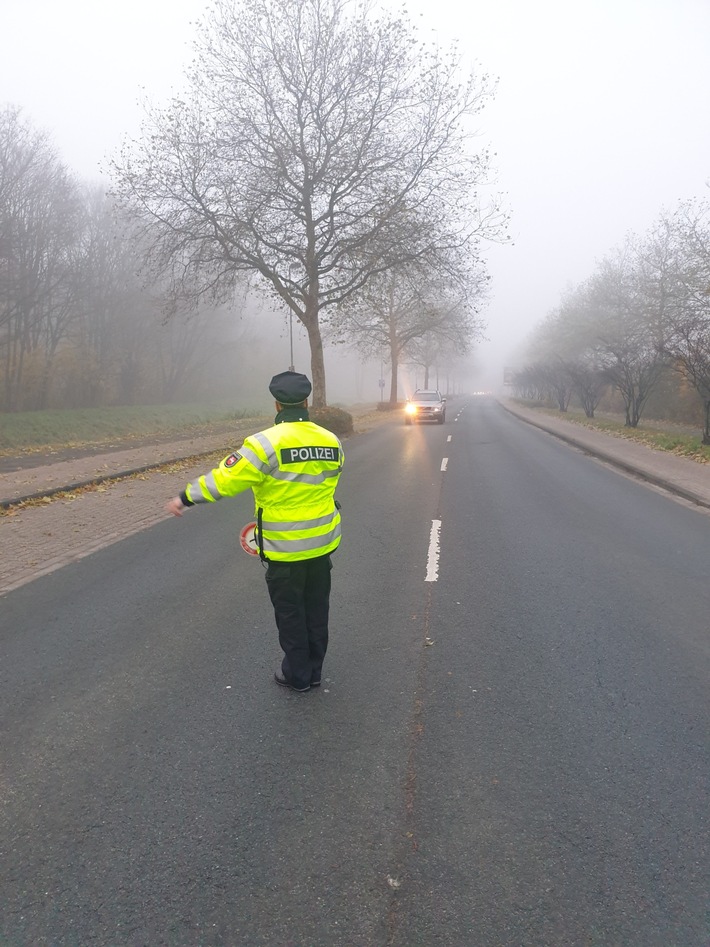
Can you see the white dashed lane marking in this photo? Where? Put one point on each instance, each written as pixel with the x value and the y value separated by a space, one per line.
pixel 432 564
pixel 444 463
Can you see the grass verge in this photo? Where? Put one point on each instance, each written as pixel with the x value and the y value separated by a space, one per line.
pixel 660 435
pixel 28 431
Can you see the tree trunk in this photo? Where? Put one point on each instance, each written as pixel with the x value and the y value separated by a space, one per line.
pixel 315 341
pixel 628 404
pixel 14 371
pixel 394 362
pixel 635 411
pixel 393 381
pixel 45 381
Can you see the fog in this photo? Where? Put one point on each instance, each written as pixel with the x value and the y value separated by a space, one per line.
pixel 599 122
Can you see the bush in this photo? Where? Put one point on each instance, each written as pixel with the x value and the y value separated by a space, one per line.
pixel 332 419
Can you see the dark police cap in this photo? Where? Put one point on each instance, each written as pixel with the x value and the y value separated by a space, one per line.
pixel 290 387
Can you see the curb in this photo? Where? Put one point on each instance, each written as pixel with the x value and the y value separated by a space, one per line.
pixel 614 460
pixel 95 481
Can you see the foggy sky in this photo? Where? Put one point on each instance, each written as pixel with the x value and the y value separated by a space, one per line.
pixel 600 119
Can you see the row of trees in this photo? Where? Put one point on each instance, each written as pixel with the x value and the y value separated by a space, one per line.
pixel 411 319
pixel 642 317
pixel 320 154
pixel 79 326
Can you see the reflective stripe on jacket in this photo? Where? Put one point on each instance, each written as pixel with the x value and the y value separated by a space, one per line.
pixel 293 470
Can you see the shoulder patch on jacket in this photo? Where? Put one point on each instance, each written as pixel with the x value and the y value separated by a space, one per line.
pixel 232 459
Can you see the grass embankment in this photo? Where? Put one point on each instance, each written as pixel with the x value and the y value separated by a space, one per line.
pixel 29 431
pixel 661 435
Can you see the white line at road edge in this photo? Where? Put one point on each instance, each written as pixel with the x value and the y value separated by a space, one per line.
pixel 444 463
pixel 448 439
pixel 432 559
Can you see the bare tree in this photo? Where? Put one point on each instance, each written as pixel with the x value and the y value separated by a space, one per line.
pixel 559 383
pixel 687 340
pixel 405 313
pixel 39 226
pixel 588 382
pixel 559 349
pixel 628 330
pixel 450 338
pixel 318 145
pixel 431 351
pixel 530 382
pixel 108 290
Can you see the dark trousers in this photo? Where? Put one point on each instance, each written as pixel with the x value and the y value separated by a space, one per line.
pixel 300 594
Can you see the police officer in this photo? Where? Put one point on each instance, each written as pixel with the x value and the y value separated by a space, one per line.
pixel 293 470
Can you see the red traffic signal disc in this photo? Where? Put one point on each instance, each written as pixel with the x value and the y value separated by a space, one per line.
pixel 247 539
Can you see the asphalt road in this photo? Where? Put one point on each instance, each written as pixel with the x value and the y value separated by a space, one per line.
pixel 510 748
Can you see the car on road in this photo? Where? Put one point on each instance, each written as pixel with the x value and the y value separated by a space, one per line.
pixel 425 405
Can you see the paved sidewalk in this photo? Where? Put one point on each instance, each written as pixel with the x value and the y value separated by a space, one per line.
pixel 37 539
pixel 681 476
pixel 49 477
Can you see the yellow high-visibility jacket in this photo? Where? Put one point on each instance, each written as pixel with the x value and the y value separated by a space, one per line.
pixel 293 469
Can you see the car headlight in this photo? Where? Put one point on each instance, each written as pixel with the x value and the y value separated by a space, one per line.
pixel 411 409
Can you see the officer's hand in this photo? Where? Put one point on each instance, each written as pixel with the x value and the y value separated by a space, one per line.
pixel 175 506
